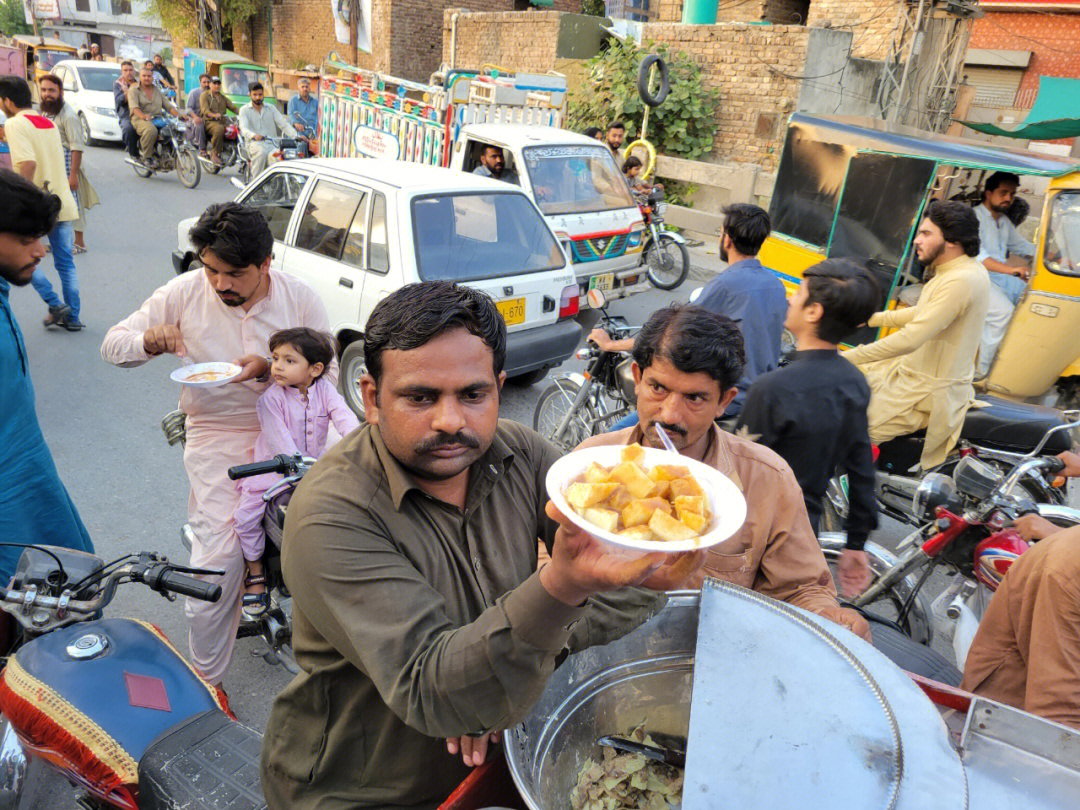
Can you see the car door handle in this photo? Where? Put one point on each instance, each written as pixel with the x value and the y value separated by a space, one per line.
pixel 345 282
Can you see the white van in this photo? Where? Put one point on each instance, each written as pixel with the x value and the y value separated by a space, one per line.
pixel 357 229
pixel 88 88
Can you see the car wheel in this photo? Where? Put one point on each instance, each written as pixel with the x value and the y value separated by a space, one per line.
pixel 353 368
pixel 530 377
pixel 85 125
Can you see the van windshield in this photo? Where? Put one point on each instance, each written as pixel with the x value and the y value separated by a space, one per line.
pixel 47 59
pixel 576 179
pixel 468 237
pixel 235 81
pixel 1062 251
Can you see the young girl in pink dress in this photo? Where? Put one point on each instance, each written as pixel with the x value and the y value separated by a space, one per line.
pixel 294 415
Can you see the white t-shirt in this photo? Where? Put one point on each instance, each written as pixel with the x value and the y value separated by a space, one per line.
pixel 31 136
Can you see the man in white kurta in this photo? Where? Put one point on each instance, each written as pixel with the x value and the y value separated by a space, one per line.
pixel 225 311
pixel 920 376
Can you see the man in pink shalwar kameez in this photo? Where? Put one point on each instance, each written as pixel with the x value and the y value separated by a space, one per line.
pixel 223 312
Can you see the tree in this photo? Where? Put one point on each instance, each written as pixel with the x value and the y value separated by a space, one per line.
pixel 180 16
pixel 595 8
pixel 13 18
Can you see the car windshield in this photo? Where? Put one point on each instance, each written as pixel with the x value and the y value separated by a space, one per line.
pixel 1062 252
pixel 100 79
pixel 576 179
pixel 468 237
pixel 235 81
pixel 47 59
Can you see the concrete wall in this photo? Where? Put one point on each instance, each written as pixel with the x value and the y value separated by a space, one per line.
pixel 835 83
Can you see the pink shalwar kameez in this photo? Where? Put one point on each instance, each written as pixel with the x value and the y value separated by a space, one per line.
pixel 221 426
pixel 291 423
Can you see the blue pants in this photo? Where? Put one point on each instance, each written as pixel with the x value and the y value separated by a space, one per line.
pixel 629 420
pixel 61 240
pixel 1012 286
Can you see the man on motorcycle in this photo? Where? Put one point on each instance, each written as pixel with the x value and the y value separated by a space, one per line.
pixel 213 106
pixel 146 103
pixel 686 364
pixel 920 377
pixel 197 130
pixel 258 122
pixel 121 86
pixel 410 550
pixel 228 309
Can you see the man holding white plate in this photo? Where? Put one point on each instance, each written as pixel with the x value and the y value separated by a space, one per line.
pixel 225 311
pixel 687 362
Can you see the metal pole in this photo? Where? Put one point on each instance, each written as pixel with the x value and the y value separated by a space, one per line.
pixel 912 54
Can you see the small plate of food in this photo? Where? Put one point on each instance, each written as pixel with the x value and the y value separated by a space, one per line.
pixel 206 375
pixel 646 499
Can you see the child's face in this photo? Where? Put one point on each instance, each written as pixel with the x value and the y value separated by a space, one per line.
pixel 634 171
pixel 289 368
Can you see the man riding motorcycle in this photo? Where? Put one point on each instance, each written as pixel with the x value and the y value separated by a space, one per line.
pixel 146 103
pixel 258 123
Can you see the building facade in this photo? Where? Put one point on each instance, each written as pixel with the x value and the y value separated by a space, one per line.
pixel 121 28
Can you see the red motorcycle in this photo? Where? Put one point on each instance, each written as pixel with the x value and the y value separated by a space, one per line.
pixel 230 152
pixel 664 251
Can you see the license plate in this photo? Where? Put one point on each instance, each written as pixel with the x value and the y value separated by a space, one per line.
pixel 512 310
pixel 603 283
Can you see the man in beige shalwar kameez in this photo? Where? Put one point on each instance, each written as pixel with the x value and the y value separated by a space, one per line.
pixel 920 376
pixel 223 312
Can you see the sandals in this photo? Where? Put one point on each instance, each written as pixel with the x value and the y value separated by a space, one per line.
pixel 78 249
pixel 254 605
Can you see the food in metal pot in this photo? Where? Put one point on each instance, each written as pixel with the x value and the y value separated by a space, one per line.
pixel 627 781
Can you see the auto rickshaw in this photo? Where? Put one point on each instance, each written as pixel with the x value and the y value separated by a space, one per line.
pixel 857 188
pixel 41 56
pixel 236 73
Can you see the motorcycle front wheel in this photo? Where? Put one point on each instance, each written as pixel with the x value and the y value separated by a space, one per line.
pixel 668 262
pixel 141 170
pixel 554 403
pixel 187 168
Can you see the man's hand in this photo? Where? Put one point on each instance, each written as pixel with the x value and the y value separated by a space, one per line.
pixel 473 749
pixel 853 571
pixel 163 339
pixel 252 366
pixel 258 137
pixel 1034 527
pixel 601 339
pixel 1072 464
pixel 581 565
pixel 679 569
pixel 298 127
pixel 73 182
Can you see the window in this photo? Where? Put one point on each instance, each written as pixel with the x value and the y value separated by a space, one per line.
pixel 379 255
pixel 276 197
pixel 808 184
pixel 354 252
pixel 99 79
pixel 468 237
pixel 1062 251
pixel 329 211
pixel 82 5
pixel 576 179
pixel 67 78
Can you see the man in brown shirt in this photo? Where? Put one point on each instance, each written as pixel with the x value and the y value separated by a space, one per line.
pixel 410 550
pixel 146 103
pixel 212 107
pixel 687 362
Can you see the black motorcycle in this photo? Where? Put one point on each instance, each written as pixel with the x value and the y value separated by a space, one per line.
pixel 173 150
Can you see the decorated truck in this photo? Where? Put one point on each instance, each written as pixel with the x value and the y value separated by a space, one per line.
pixel 574 180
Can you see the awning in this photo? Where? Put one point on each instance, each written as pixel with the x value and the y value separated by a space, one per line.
pixel 1056 113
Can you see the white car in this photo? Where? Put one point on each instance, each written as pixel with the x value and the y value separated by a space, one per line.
pixel 88 88
pixel 357 229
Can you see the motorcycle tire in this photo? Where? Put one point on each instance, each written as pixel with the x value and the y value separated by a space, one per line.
pixel 644 72
pixel 187 168
pixel 668 262
pixel 553 404
pixel 141 171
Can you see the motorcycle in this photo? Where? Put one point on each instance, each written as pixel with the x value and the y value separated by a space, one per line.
pixel 965 518
pixel 664 252
pixel 172 151
pixel 998 431
pixel 109 703
pixel 285 149
pixel 230 152
pixel 274 626
pixel 577 406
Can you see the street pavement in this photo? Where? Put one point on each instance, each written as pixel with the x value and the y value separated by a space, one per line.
pixel 103 423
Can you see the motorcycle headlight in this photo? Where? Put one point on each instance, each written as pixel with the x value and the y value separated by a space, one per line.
pixel 108 112
pixel 936 489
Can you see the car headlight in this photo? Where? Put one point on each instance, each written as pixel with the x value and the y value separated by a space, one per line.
pixel 634 239
pixel 108 112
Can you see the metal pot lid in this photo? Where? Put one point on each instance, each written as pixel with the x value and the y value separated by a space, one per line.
pixel 790 710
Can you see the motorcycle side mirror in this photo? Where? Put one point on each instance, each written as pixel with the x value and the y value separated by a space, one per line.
pixel 596 299
pixel 237 182
pixel 696 294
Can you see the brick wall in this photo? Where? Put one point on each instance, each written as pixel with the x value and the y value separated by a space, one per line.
pixel 873 21
pixel 515 40
pixel 1051 38
pixel 783 12
pixel 745 62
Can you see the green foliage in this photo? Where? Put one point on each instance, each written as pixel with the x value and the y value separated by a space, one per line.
pixel 13 19
pixel 595 8
pixel 683 126
pixel 178 16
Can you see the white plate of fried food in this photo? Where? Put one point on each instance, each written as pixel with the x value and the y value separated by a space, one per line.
pixel 206 375
pixel 646 499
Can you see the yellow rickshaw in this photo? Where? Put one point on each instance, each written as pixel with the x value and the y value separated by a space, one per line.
pixel 857 188
pixel 42 54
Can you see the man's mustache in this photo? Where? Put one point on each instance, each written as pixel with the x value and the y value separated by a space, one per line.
pixel 462 438
pixel 669 428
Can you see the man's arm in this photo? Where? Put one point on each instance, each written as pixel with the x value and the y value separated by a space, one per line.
pixel 204 107
pixel 759 418
pixel 230 106
pixel 1016 244
pixel 858 463
pixel 76 143
pixel 27 169
pixel 287 130
pixel 244 119
pixel 893 318
pixel 133 103
pixel 124 343
pixel 22 148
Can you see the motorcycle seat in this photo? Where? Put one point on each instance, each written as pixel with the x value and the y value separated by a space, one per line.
pixel 1014 426
pixel 209 761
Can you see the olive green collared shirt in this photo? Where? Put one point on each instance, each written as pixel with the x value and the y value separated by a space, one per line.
pixel 414 621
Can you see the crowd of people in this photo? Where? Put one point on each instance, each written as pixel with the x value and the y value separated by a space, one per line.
pixel 426 615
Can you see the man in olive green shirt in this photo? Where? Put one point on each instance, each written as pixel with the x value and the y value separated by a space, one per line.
pixel 410 550
pixel 147 103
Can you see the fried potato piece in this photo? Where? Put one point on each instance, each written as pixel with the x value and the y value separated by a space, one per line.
pixel 685 486
pixel 596 474
pixel 583 495
pixel 668 472
pixel 632 452
pixel 668 528
pixel 639 512
pixel 691 503
pixel 662 489
pixel 638 533
pixel 693 520
pixel 605 519
pixel 634 479
pixel 619 499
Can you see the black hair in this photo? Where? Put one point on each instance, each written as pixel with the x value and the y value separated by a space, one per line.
pixel 204 76
pixel 693 339
pixel 27 210
pixel 415 314
pixel 848 293
pixel 255 86
pixel 957 222
pixel 486 146
pixel 630 163
pixel 315 346
pixel 748 226
pixel 16 90
pixel 998 179
pixel 592 132
pixel 238 234
pixel 127 62
pixel 616 125
pixel 148 65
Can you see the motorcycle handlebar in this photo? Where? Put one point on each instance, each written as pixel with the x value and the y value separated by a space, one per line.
pixel 1055 464
pixel 186 586
pixel 278 464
